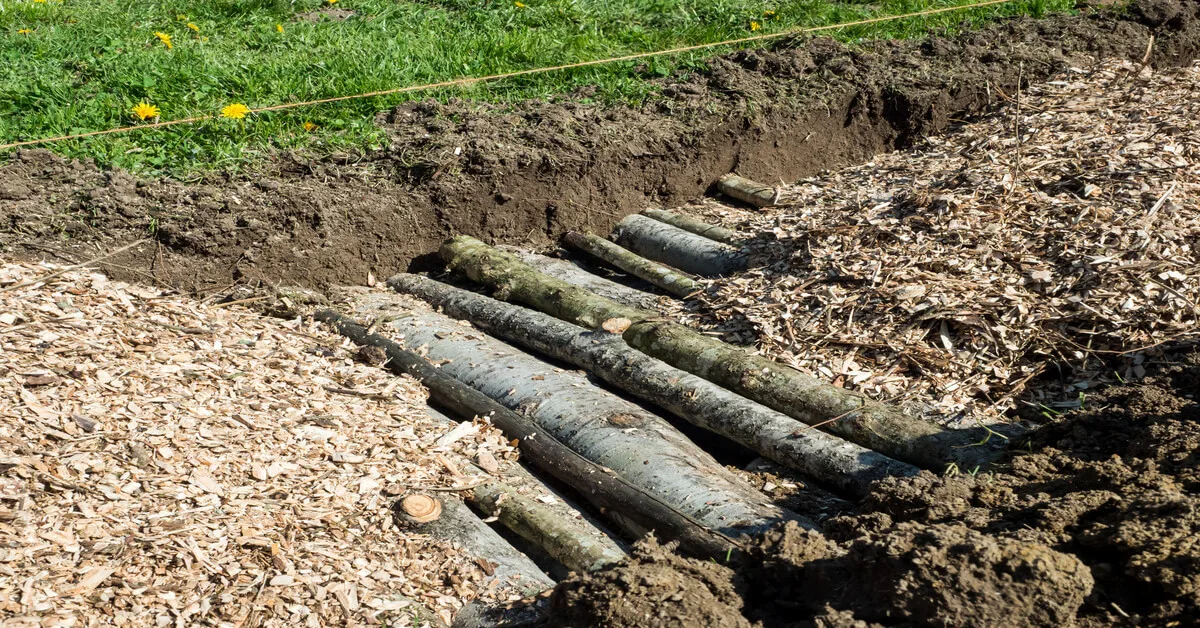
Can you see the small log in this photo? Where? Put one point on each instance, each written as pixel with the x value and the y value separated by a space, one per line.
pixel 666 278
pixel 573 274
pixel 602 487
pixel 852 416
pixel 677 248
pixel 828 459
pixel 536 513
pixel 457 524
pixel 687 223
pixel 618 434
pixel 748 191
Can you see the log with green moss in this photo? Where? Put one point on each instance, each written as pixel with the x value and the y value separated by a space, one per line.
pixel 652 272
pixel 883 428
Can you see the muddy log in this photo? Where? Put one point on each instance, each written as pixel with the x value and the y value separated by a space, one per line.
pixel 666 278
pixel 852 416
pixel 575 275
pixel 536 513
pixel 748 191
pixel 687 223
pixel 677 248
pixel 828 459
pixel 602 487
pixel 639 446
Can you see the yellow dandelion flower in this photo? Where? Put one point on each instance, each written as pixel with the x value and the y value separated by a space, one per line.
pixel 755 26
pixel 193 26
pixel 309 126
pixel 768 13
pixel 279 28
pixel 165 39
pixel 236 111
pixel 181 17
pixel 23 31
pixel 40 1
pixel 145 111
pixel 332 1
pixel 519 5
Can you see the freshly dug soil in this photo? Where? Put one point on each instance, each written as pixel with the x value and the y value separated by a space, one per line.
pixel 1095 522
pixel 524 174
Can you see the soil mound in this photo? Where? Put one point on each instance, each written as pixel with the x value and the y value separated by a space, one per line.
pixel 526 173
pixel 1094 522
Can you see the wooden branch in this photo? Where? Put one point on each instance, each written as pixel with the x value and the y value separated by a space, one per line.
pixel 573 274
pixel 666 278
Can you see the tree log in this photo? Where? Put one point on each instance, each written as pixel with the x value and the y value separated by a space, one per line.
pixel 666 278
pixel 748 191
pixel 564 533
pixel 573 274
pixel 602 487
pixel 677 248
pixel 639 446
pixel 828 459
pixel 687 223
pixel 852 416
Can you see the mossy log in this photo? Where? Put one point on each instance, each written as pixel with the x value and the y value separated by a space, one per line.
pixel 677 248
pixel 748 191
pixel 603 488
pixel 823 457
pixel 687 223
pixel 883 428
pixel 669 279
pixel 572 273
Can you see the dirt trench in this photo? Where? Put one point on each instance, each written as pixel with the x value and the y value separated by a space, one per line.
pixel 524 174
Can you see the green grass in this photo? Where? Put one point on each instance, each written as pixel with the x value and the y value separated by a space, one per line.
pixel 85 63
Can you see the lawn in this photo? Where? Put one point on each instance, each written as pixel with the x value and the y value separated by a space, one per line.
pixel 72 66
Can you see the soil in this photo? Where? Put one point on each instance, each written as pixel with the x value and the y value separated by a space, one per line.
pixel 523 174
pixel 1096 522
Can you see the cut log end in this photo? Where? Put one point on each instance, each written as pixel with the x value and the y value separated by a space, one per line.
pixel 748 191
pixel 420 509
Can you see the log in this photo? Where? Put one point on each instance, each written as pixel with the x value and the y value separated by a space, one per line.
pixel 536 513
pixel 615 433
pixel 852 416
pixel 825 458
pixel 677 248
pixel 603 488
pixel 687 223
pixel 748 191
pixel 668 279
pixel 457 524
pixel 573 274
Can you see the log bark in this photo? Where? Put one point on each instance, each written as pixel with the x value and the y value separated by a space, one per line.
pixel 748 191
pixel 602 487
pixel 537 513
pixel 668 279
pixel 825 458
pixel 639 446
pixel 687 223
pixel 852 416
pixel 573 274
pixel 677 248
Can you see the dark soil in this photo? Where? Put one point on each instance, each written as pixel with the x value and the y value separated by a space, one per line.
pixel 1096 522
pixel 526 173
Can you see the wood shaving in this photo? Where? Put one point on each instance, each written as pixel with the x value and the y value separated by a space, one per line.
pixel 1023 258
pixel 164 462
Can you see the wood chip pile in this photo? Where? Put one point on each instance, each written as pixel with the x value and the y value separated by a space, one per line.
pixel 165 462
pixel 1060 231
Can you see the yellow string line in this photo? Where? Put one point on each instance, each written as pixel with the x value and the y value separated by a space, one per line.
pixel 506 75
